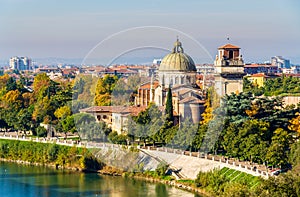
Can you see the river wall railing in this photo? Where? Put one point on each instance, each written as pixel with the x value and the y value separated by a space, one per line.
pixel 247 167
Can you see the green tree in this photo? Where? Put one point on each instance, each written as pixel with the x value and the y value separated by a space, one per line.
pixel 278 151
pixel 246 141
pixel 41 131
pixel 11 84
pixel 169 107
pixel 184 137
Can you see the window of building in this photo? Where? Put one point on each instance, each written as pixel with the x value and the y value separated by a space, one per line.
pixel 230 54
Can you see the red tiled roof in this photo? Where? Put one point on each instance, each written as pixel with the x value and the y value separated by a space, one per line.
pixel 229 46
pixel 259 75
pixel 148 85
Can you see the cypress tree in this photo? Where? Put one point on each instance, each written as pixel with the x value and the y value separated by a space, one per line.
pixel 169 107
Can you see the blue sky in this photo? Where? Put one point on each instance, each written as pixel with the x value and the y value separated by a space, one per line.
pixel 71 28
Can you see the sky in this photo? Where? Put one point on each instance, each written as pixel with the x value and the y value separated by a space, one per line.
pixel 72 28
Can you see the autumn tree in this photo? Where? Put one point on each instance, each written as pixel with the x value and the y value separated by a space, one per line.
pixel 212 102
pixel 62 112
pixel 295 123
pixel 41 85
pixel 104 89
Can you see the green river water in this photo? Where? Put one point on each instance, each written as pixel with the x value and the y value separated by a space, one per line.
pixel 31 181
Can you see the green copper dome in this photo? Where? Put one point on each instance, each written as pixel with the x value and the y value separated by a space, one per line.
pixel 177 60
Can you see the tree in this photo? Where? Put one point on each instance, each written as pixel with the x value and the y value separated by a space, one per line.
pixel 11 84
pixel 186 132
pixel 146 124
pixel 41 131
pixel 78 87
pixel 69 124
pixel 62 112
pixel 24 121
pixel 169 107
pixel 197 142
pixel 104 89
pixel 103 99
pixel 41 85
pixel 88 128
pixel 287 184
pixel 41 109
pixel 294 156
pixel 295 123
pixel 246 141
pixel 124 90
pixel 3 81
pixel 277 153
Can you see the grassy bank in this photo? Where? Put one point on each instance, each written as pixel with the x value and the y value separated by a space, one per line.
pixel 49 154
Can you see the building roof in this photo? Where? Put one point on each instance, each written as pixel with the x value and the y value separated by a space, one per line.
pixel 192 99
pixel 259 65
pixel 260 75
pixel 229 46
pixel 133 110
pixel 148 85
pixel 177 60
pixel 95 109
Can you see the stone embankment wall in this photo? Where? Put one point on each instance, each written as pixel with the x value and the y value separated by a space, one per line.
pixel 186 164
pixel 189 165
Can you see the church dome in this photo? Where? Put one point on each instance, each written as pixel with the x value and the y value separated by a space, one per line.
pixel 177 60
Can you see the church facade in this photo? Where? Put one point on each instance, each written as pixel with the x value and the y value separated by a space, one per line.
pixel 178 72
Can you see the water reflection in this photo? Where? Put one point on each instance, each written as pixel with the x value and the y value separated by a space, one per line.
pixel 18 180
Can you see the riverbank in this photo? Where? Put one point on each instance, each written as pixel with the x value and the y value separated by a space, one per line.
pixel 21 162
pixel 187 186
pixel 72 159
pixel 59 156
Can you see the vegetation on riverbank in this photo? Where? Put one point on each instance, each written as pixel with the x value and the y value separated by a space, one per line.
pixel 49 154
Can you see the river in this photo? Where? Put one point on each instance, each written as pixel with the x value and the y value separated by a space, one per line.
pixel 32 181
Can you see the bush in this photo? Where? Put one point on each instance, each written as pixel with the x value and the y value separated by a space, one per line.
pixel 117 139
pixel 161 169
pixel 41 132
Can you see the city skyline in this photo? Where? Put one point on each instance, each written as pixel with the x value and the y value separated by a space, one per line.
pixel 70 29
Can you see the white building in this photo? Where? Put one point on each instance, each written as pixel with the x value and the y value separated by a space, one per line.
pixel 291 70
pixel 20 63
pixel 280 62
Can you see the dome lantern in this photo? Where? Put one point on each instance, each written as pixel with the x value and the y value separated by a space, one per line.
pixel 177 47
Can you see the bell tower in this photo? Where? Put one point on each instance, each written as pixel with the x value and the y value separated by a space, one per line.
pixel 229 70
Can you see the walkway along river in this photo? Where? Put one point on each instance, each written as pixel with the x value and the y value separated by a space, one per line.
pixel 190 163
